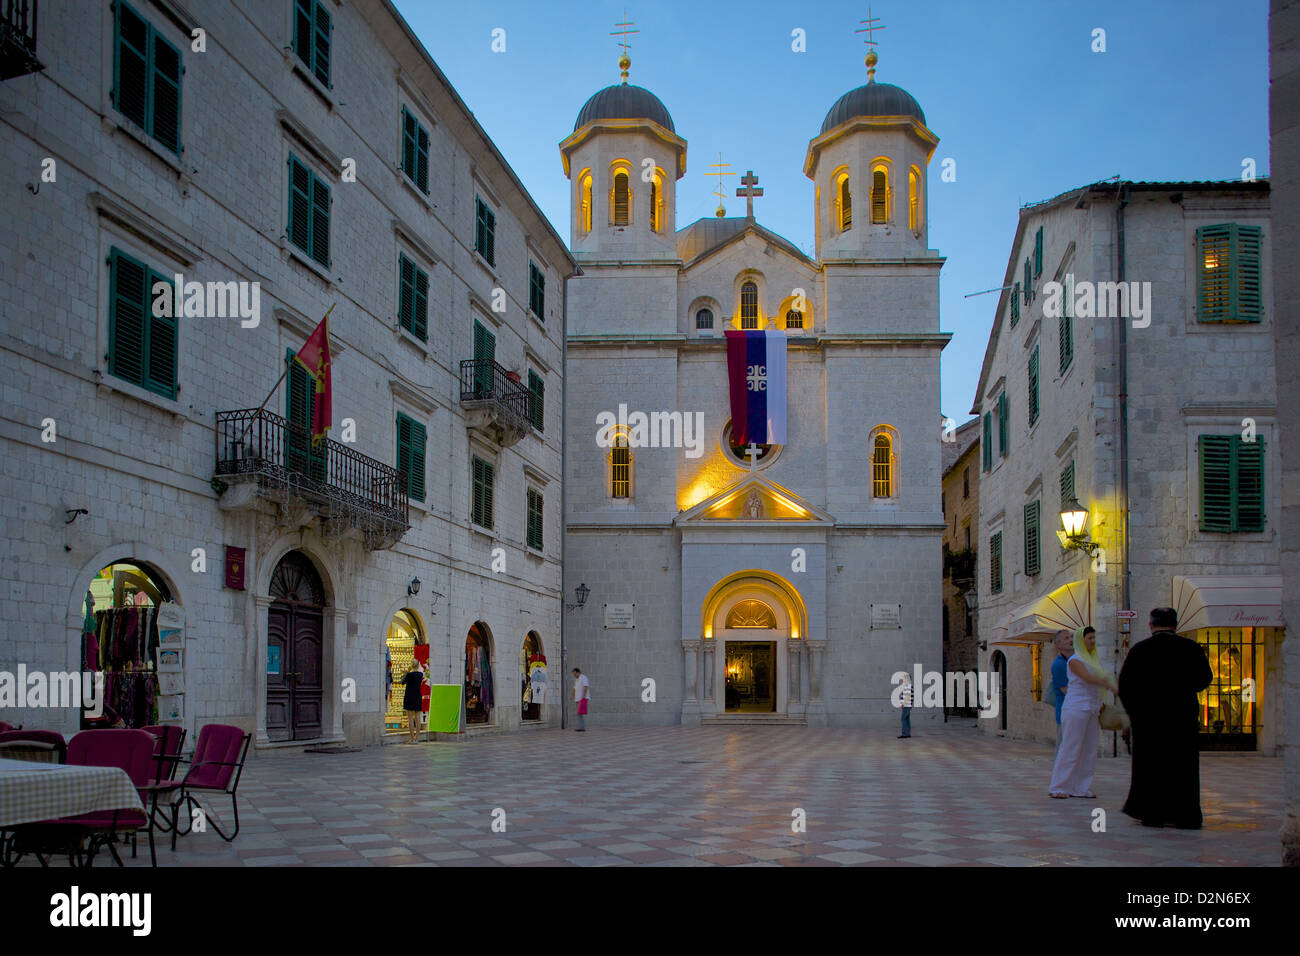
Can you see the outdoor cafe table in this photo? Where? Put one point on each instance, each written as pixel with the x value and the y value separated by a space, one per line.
pixel 31 792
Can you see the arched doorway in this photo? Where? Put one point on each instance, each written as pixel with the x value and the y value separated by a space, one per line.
pixel 998 664
pixel 479 696
pixel 294 650
pixel 404 644
pixel 131 629
pixel 751 631
pixel 532 677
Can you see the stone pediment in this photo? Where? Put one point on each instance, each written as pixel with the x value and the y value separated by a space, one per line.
pixel 754 500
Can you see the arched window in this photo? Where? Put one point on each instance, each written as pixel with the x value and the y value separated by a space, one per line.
pixel 880 195
pixel 843 202
pixel 656 202
pixel 753 614
pixel 882 467
pixel 749 306
pixel 794 319
pixel 913 199
pixel 621 198
pixel 704 319
pixel 584 203
pixel 620 467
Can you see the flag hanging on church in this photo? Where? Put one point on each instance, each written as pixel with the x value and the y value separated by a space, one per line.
pixel 756 373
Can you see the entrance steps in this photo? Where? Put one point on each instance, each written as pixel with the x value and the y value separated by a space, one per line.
pixel 753 720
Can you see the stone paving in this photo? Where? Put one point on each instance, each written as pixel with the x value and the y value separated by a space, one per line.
pixel 690 796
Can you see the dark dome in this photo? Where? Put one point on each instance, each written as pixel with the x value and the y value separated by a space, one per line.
pixel 624 102
pixel 874 99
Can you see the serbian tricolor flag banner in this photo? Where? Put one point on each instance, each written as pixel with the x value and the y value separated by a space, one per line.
pixel 314 356
pixel 756 373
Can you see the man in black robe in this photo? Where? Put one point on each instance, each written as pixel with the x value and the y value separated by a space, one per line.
pixel 1158 685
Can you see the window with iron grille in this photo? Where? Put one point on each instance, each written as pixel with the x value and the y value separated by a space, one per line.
pixel 311 37
pixel 794 319
pixel 536 291
pixel 147 74
pixel 309 211
pixel 415 151
pixel 485 231
pixel 882 467
pixel 1232 483
pixel 704 319
pixel 1228 277
pixel 749 306
pixel 413 298
pixel 484 477
pixel 620 468
pixel 535 519
pixel 142 346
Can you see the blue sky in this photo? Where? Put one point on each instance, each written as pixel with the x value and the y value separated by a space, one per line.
pixel 1012 89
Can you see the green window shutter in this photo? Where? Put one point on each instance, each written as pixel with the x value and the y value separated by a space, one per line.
pixel 422 158
pixel 1004 415
pixel 421 327
pixel 476 487
pixel 1033 386
pixel 130 64
pixel 535 511
pixel 1015 304
pixel 1215 454
pixel 411 441
pixel 536 291
pixel 1249 483
pixel 1067 484
pixel 481 506
pixel 160 369
pixel 404 448
pixel 1215 291
pixel 409 128
pixel 537 405
pixel 300 393
pixel 406 293
pixel 987 448
pixel 1038 253
pixel 1246 277
pixel 1028 283
pixel 302 31
pixel 320 221
pixel 165 94
pixel 1033 544
pixel 321 42
pixel 1065 327
pixel 485 231
pixel 128 311
pixel 995 563
pixel 299 204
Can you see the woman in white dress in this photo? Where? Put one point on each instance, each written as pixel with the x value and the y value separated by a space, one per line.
pixel 1090 686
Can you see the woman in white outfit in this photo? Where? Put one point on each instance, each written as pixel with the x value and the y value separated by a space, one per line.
pixel 1090 686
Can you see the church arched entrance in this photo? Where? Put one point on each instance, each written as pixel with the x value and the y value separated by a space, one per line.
pixel 753 628
pixel 295 651
pixel 479 689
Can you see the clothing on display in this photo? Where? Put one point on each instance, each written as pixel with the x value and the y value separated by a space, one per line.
pixel 478 680
pixel 123 644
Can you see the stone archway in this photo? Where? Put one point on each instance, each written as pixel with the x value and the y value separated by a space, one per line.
pixel 480 683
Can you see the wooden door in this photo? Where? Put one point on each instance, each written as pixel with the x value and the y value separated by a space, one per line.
pixel 295 651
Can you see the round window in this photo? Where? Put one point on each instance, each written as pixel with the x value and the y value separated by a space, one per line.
pixel 763 454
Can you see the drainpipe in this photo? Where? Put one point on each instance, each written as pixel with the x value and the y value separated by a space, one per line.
pixel 1126 575
pixel 564 491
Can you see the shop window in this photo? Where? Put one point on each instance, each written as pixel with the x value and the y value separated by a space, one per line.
pixel 479 689
pixel 133 635
pixel 532 677
pixel 405 646
pixel 1227 710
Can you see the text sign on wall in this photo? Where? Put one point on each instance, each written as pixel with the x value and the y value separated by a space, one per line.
pixel 886 616
pixel 620 615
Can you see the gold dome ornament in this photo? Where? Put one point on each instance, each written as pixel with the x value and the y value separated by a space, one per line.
pixel 871 62
pixel 721 211
pixel 624 62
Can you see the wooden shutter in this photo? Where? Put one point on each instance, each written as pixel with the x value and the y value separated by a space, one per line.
pixel 621 198
pixel 988 441
pixel 411 440
pixel 485 232
pixel 321 42
pixel 1067 484
pixel 535 511
pixel 1033 548
pixel 485 344
pixel 1038 253
pixel 1033 386
pixel 1028 282
pixel 1004 415
pixel 129 301
pixel 1214 271
pixel 299 204
pixel 161 341
pixel 165 94
pixel 406 293
pixel 404 448
pixel 422 158
pixel 1215 453
pixel 1065 328
pixel 320 221
pixel 131 64
pixel 1015 304
pixel 1246 276
pixel 995 563
pixel 421 326
pixel 1249 483
pixel 482 501
pixel 409 127
pixel 537 405
pixel 476 500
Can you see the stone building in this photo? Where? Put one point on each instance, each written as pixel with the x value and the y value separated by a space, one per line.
pixel 780 582
pixel 311 154
pixel 1154 405
pixel 961 513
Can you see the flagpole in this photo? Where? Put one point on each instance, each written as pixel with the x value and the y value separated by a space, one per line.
pixel 258 413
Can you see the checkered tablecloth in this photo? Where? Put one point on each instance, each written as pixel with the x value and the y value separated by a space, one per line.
pixel 43 791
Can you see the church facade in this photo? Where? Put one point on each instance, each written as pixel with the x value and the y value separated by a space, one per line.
pixel 780 581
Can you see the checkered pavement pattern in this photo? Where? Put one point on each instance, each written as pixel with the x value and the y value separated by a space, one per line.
pixel 723 796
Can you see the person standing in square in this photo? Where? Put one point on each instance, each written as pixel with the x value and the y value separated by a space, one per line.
pixel 906 692
pixel 581 694
pixel 1064 644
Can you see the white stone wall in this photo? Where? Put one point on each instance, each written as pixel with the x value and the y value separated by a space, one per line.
pixel 141 464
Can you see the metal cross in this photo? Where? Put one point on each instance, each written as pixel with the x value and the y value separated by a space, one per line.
pixel 752 452
pixel 625 32
pixel 870 26
pixel 720 166
pixel 750 181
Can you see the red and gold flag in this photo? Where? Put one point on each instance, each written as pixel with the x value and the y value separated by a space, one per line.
pixel 314 356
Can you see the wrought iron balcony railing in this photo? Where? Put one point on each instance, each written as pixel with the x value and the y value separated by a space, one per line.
pixel 18 38
pixel 485 384
pixel 348 489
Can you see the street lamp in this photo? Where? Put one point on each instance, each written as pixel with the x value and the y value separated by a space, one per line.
pixel 580 593
pixel 413 588
pixel 1074 522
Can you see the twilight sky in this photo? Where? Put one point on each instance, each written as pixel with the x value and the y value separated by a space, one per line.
pixel 1011 88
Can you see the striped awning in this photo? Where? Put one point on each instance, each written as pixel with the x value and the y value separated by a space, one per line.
pixel 1228 601
pixel 1068 607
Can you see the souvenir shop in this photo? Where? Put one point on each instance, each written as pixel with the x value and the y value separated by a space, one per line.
pixel 532 677
pixel 133 636
pixel 478 675
pixel 405 645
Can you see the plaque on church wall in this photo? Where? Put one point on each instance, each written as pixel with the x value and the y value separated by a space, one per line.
pixel 886 616
pixel 620 615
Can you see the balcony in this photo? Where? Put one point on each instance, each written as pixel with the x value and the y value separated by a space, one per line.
pixel 960 567
pixel 495 404
pixel 18 38
pixel 268 457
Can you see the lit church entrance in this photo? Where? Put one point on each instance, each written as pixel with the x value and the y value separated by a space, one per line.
pixel 751 677
pixel 752 641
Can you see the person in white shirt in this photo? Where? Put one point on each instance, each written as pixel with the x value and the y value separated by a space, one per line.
pixel 582 694
pixel 907 708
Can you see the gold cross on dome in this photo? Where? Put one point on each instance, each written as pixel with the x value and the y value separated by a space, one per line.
pixel 869 26
pixel 720 166
pixel 625 30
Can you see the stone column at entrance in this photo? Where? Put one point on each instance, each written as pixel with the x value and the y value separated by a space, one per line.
pixel 816 705
pixel 707 706
pixel 691 691
pixel 794 650
pixel 258 638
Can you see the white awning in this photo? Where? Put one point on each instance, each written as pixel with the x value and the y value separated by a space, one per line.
pixel 1068 607
pixel 1228 601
